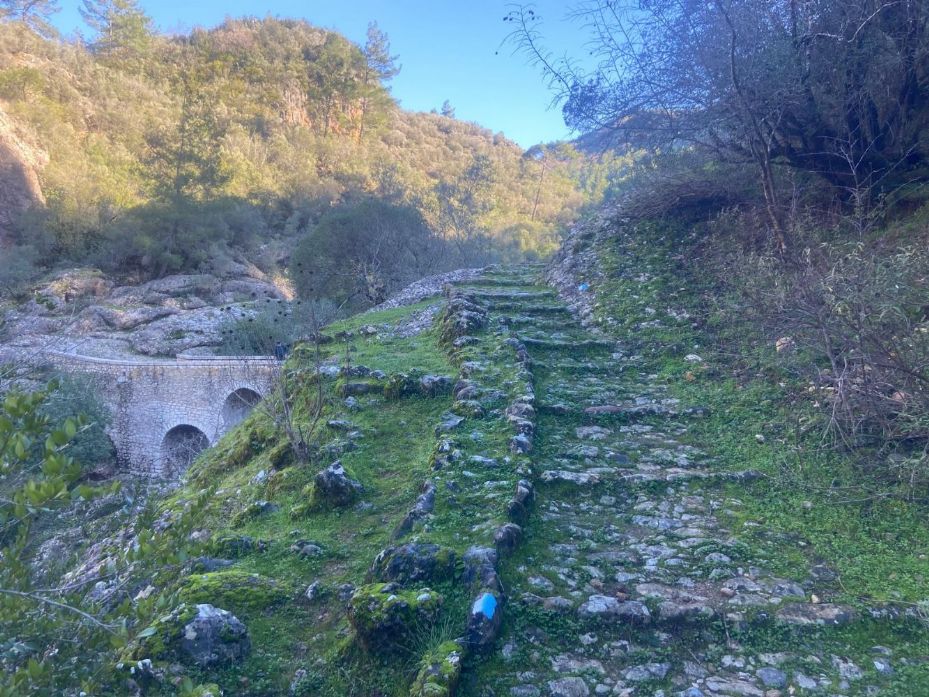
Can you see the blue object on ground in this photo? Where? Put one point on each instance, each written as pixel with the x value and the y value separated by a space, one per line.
pixel 486 605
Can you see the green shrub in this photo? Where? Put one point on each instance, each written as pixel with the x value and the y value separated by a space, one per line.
pixel 77 394
pixel 359 254
pixel 851 323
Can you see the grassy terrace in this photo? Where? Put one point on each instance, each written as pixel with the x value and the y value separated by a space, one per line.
pixel 259 520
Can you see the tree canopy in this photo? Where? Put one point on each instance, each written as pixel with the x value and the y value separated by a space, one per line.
pixel 833 87
pixel 34 14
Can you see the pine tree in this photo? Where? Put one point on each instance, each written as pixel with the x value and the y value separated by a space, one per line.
pixel 34 14
pixel 379 67
pixel 187 159
pixel 186 164
pixel 333 71
pixel 121 26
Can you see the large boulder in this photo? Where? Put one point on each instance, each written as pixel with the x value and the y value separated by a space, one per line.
pixel 201 634
pixel 386 619
pixel 333 488
pixel 214 636
pixel 416 562
pixel 435 385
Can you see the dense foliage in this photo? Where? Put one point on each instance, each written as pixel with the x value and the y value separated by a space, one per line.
pixel 53 632
pixel 831 87
pixel 164 151
pixel 357 255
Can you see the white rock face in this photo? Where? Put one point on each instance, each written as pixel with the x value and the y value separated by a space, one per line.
pixel 82 311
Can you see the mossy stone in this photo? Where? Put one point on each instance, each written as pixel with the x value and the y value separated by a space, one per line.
pixel 386 619
pixel 440 671
pixel 234 589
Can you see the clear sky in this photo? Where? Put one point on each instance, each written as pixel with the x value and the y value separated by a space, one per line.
pixel 449 49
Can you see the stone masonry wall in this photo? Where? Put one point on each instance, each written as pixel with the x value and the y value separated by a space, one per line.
pixel 149 398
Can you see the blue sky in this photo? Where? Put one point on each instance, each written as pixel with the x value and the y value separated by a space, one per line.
pixel 449 50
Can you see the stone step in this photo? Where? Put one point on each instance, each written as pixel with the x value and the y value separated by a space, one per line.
pixel 508 294
pixel 541 323
pixel 524 276
pixel 633 551
pixel 528 308
pixel 567 345
pixel 499 282
pixel 575 368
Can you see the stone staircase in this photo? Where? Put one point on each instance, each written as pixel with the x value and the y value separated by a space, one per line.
pixel 629 579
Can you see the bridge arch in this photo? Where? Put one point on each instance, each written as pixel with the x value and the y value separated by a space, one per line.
pixel 180 446
pixel 238 406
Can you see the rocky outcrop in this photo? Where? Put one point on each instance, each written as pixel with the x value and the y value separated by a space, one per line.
pixel 19 181
pixel 81 310
pixel 385 618
pixel 415 563
pixel 333 488
pixel 427 288
pixel 214 636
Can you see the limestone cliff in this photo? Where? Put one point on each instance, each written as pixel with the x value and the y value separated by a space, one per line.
pixel 20 162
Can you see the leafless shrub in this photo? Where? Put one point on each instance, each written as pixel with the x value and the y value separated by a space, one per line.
pixel 297 395
pixel 683 183
pixel 854 324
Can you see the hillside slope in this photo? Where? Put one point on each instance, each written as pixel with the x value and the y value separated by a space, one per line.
pixel 504 502
pixel 247 134
pixel 19 180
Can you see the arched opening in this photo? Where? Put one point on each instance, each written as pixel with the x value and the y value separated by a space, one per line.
pixel 180 447
pixel 238 405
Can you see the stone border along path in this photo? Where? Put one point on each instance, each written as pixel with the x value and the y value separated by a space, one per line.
pixel 627 581
pixel 479 494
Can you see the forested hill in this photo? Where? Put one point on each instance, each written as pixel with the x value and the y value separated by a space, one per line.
pixel 165 151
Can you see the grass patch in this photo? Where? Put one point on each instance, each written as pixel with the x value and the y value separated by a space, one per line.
pixel 815 505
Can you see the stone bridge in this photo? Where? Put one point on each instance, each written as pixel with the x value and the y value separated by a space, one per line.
pixel 164 412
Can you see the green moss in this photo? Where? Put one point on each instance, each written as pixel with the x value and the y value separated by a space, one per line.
pixel 251 511
pixel 355 387
pixel 234 590
pixel 235 546
pixel 236 449
pixel 440 671
pixel 301 510
pixel 469 408
pixel 386 619
pixel 402 384
pixel 160 639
